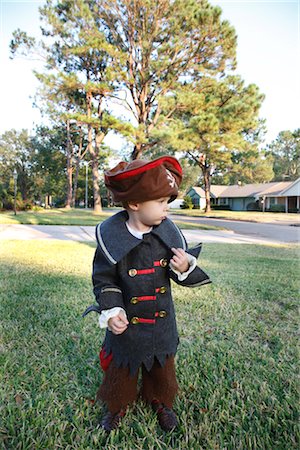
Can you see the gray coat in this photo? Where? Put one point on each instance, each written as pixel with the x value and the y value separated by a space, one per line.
pixel 134 274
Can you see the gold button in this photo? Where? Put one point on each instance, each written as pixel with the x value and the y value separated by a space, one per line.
pixel 134 300
pixel 132 272
pixel 134 320
pixel 163 290
pixel 162 314
pixel 163 262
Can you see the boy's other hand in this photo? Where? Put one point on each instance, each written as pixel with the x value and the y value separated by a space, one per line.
pixel 180 260
pixel 118 324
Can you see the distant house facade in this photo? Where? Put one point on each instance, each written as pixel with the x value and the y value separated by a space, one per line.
pixel 281 196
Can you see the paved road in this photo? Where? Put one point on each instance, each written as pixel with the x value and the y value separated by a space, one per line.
pixel 279 232
pixel 86 233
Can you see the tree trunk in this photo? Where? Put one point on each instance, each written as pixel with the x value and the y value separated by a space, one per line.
pixel 75 182
pixel 79 157
pixel 69 168
pixel 137 151
pixel 96 190
pixel 206 176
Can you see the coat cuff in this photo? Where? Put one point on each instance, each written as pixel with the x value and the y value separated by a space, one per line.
pixel 109 297
pixel 107 314
pixel 182 276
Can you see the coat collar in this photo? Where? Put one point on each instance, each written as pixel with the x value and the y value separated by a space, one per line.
pixel 116 241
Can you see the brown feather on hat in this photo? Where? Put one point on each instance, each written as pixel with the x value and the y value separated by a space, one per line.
pixel 141 180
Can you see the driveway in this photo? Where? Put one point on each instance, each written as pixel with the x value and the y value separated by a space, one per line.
pixel 87 234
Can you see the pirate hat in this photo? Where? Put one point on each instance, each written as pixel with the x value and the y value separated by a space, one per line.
pixel 141 180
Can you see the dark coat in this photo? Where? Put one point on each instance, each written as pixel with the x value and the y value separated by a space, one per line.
pixel 120 279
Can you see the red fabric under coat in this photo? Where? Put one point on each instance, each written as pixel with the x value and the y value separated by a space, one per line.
pixel 105 359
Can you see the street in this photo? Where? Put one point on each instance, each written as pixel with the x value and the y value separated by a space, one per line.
pixel 279 232
pixel 236 232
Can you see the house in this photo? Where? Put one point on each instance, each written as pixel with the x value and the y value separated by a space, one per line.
pixel 282 195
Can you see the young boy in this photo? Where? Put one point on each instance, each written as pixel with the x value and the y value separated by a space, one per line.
pixel 138 251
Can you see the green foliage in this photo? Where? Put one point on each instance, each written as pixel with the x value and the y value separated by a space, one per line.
pixel 236 362
pixel 99 50
pixel 253 206
pixel 285 151
pixel 213 121
pixel 187 202
pixel 16 153
pixel 277 208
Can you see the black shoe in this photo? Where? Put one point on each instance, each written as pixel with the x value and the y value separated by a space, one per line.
pixel 166 416
pixel 111 421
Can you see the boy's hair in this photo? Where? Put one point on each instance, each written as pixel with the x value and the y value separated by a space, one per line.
pixel 140 180
pixel 125 205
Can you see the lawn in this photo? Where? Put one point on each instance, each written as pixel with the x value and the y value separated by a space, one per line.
pixel 249 216
pixel 55 217
pixel 237 361
pixel 80 217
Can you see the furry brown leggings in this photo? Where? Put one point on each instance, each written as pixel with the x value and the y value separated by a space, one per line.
pixel 119 388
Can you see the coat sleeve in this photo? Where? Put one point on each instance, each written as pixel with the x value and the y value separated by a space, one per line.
pixel 106 283
pixel 195 278
pixel 108 293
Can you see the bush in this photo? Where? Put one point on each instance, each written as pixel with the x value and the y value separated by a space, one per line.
pixel 37 208
pixel 253 206
pixel 277 208
pixel 221 207
pixel 187 203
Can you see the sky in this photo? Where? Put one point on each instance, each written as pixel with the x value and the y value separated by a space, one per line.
pixel 268 55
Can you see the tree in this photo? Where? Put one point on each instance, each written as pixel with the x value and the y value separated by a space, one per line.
pixel 159 46
pixel 79 77
pixel 48 164
pixel 15 154
pixel 212 121
pixel 249 165
pixel 285 151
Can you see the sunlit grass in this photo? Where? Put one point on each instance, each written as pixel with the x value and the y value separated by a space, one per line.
pixel 79 217
pixel 237 362
pixel 55 217
pixel 252 216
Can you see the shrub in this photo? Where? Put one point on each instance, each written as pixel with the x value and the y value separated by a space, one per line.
pixel 277 208
pixel 221 207
pixel 187 203
pixel 253 206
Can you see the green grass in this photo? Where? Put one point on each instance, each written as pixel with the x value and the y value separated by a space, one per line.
pixel 55 217
pixel 249 216
pixel 237 362
pixel 75 217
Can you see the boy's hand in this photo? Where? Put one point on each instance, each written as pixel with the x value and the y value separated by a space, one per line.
pixel 180 260
pixel 118 324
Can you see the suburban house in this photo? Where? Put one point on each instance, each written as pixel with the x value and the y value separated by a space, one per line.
pixel 263 196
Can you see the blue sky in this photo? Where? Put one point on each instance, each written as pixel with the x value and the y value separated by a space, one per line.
pixel 268 55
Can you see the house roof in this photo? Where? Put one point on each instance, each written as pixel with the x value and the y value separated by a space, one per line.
pixel 198 190
pixel 277 189
pixel 294 183
pixel 273 189
pixel 253 190
pixel 217 190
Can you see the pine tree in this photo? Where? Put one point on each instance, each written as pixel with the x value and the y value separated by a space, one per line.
pixel 160 45
pixel 212 121
pixel 79 77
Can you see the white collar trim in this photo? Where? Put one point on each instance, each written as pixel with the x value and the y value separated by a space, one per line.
pixel 135 233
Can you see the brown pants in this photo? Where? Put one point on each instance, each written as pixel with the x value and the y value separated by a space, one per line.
pixel 119 388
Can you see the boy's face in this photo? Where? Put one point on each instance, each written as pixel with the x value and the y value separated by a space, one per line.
pixel 152 212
